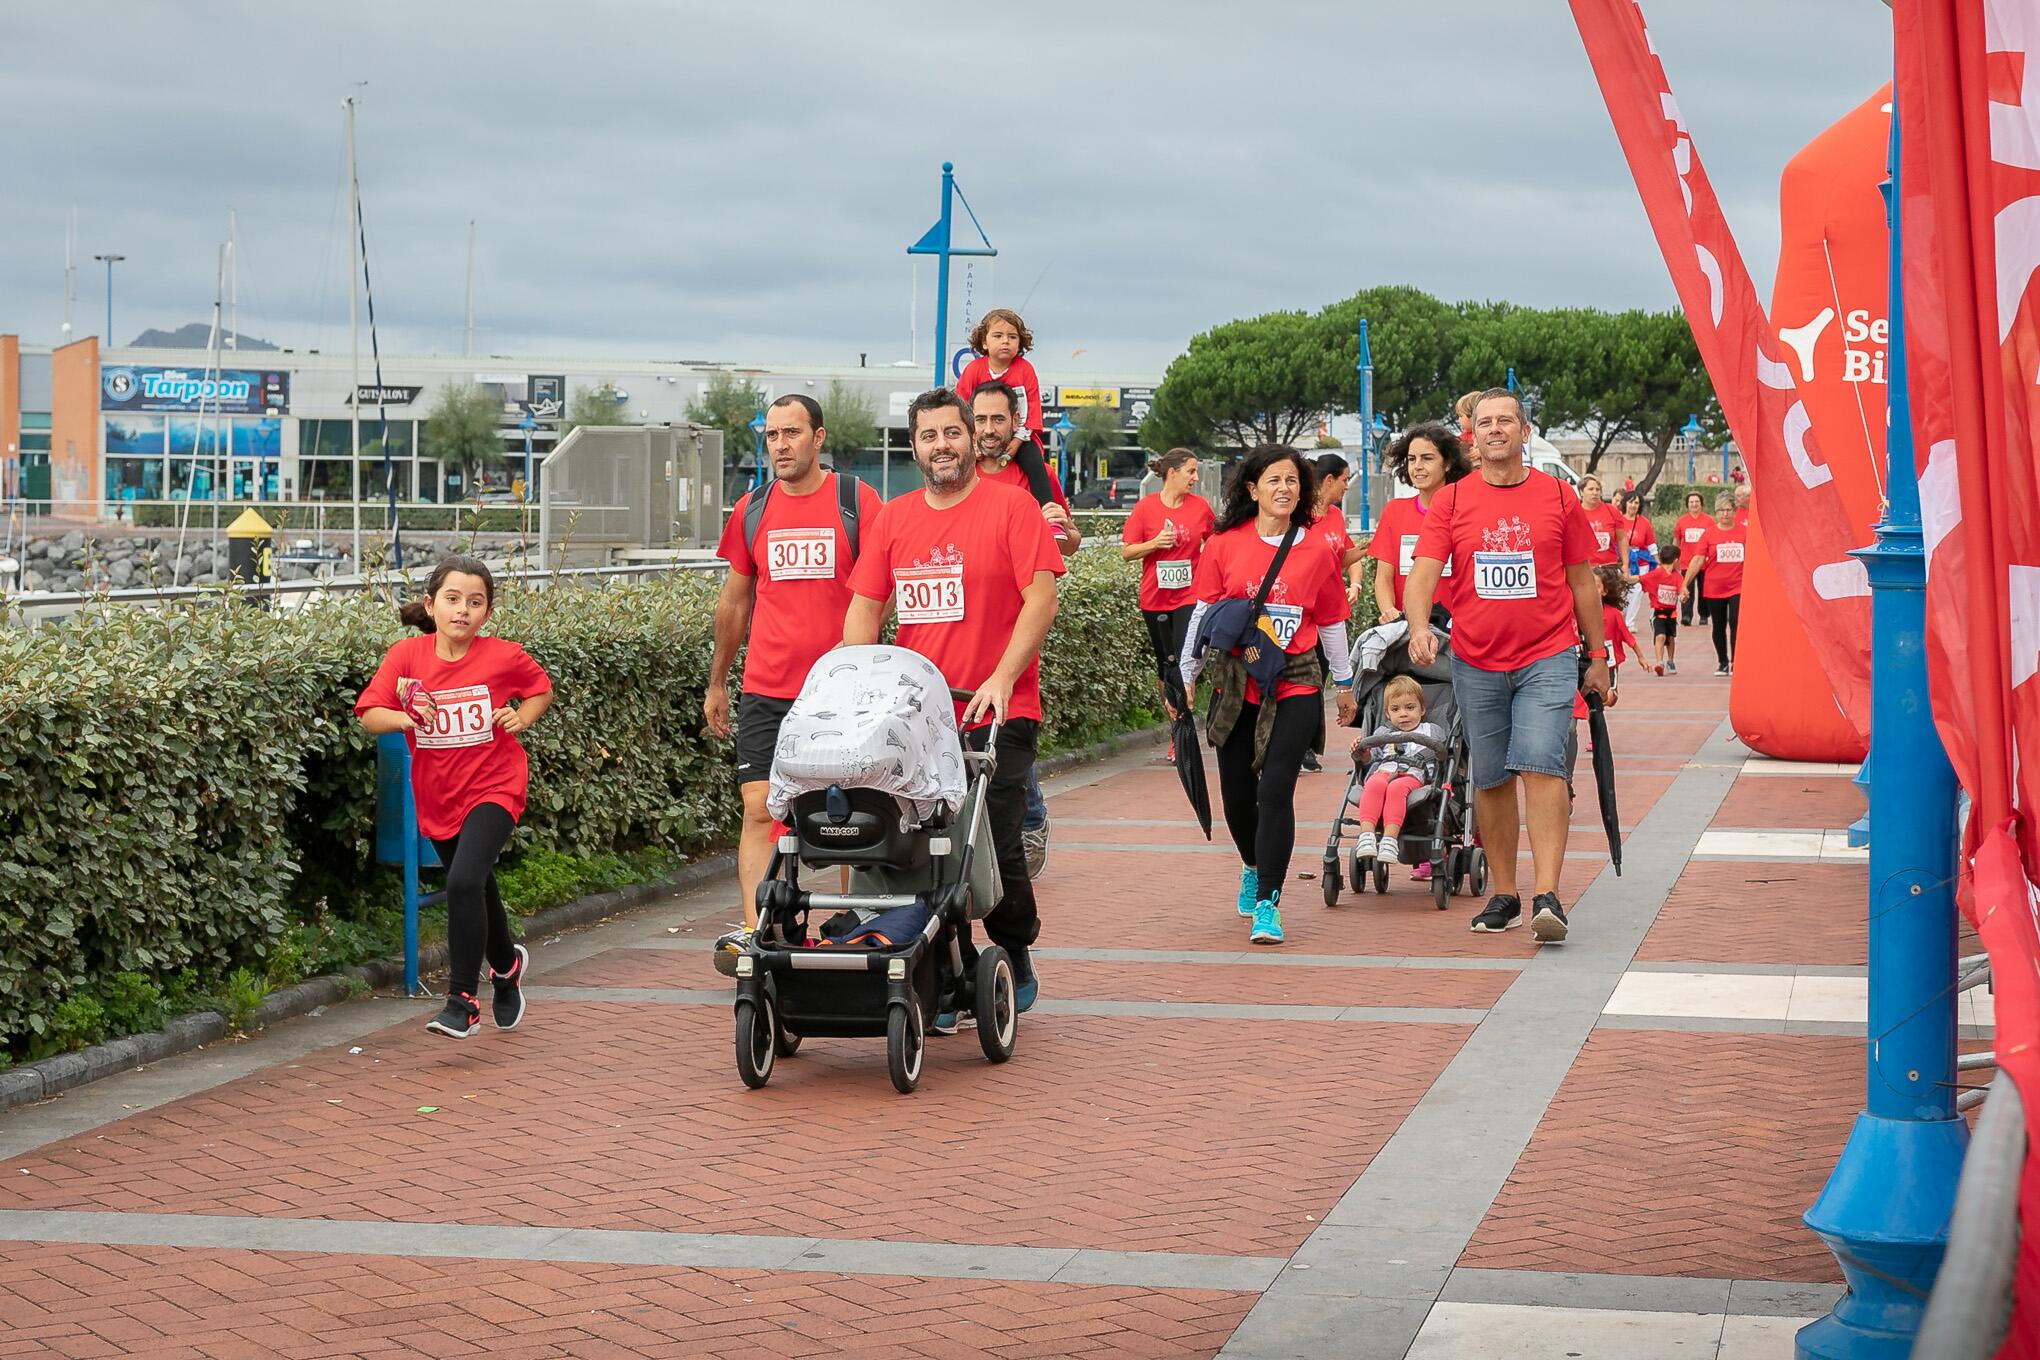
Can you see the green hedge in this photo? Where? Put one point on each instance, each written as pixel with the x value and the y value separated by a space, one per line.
pixel 188 795
pixel 1669 498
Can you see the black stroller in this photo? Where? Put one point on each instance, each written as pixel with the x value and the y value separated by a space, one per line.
pixel 1437 828
pixel 919 876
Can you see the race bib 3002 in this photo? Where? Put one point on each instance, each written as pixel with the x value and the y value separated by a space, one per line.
pixel 1728 552
pixel 1285 619
pixel 801 554
pixel 1505 576
pixel 1173 574
pixel 462 718
pixel 929 594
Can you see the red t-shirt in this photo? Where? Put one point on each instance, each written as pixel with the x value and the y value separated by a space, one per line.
pixel 1721 553
pixel 1641 533
pixel 956 576
pixel 1615 632
pixel 466 760
pixel 1011 475
pixel 1742 517
pixel 1394 545
pixel 1661 588
pixel 1178 565
pixel 804 586
pixel 1690 528
pixel 1512 545
pixel 1309 592
pixel 1606 524
pixel 1019 376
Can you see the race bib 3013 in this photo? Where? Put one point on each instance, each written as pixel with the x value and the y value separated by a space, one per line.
pixel 929 594
pixel 462 717
pixel 801 554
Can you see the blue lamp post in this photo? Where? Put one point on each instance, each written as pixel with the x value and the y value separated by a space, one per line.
pixel 1690 433
pixel 758 433
pixel 1884 1211
pixel 1062 428
pixel 1363 365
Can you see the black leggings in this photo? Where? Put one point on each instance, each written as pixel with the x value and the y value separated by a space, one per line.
pixel 1260 811
pixel 1168 629
pixel 1726 613
pixel 474 908
pixel 1015 922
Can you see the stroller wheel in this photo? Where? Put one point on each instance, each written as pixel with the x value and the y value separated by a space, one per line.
pixel 1476 872
pixel 904 1046
pixel 1330 879
pixel 998 1016
pixel 1358 876
pixel 756 1044
pixel 1381 876
pixel 1441 888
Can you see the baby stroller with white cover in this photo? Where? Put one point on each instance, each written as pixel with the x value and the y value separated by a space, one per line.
pixel 1437 828
pixel 869 775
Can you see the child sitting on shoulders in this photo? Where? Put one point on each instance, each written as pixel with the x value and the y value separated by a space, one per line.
pixel 1002 341
pixel 1396 770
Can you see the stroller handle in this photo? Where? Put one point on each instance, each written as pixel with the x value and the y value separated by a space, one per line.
pixel 1436 747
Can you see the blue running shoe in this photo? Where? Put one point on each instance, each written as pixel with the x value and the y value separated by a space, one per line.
pixel 1250 890
pixel 1025 985
pixel 1267 924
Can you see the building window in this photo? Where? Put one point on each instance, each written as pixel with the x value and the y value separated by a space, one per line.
pixel 131 479
pixel 128 434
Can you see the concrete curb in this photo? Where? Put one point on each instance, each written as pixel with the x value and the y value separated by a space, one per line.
pixel 40 1080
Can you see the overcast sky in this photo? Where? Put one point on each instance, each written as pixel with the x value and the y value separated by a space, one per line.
pixel 739 181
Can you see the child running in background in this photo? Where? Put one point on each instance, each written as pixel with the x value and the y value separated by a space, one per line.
pixel 461 700
pixel 1395 771
pixel 1002 341
pixel 1615 588
pixel 1661 587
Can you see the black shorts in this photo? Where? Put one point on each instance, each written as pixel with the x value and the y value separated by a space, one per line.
pixel 1664 625
pixel 1168 630
pixel 758 719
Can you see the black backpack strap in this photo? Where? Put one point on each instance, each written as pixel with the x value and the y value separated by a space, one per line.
pixel 754 512
pixel 847 487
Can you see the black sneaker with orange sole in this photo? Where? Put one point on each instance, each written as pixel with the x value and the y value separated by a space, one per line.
pixel 460 1017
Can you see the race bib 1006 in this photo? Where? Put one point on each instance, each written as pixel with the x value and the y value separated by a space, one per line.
pixel 1728 552
pixel 461 718
pixel 1505 576
pixel 929 594
pixel 801 554
pixel 1173 574
pixel 1285 619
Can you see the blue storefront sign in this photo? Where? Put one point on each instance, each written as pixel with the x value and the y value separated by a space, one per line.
pixel 232 391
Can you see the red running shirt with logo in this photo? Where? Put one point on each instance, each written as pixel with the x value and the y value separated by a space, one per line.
pixel 465 760
pixel 1691 528
pixel 1308 594
pixel 1167 575
pixel 1509 547
pixel 801 559
pixel 1394 545
pixel 956 577
pixel 1721 554
pixel 1607 524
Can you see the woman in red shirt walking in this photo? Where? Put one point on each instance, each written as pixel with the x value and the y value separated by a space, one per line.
pixel 1606 522
pixel 1690 528
pixel 1261 749
pixel 461 700
pixel 1720 557
pixel 1165 533
pixel 1426 456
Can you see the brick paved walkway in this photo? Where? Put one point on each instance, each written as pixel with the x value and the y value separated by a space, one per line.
pixel 1390 1137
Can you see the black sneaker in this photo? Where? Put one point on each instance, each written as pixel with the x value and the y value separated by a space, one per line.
pixel 1547 919
pixel 1310 763
pixel 1500 914
pixel 508 1006
pixel 460 1018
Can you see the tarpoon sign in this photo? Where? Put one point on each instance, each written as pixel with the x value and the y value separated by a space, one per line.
pixel 231 391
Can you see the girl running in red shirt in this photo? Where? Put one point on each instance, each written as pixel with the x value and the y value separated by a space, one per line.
pixel 461 700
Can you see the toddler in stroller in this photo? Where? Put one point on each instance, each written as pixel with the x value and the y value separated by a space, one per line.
pixel 1409 780
pixel 869 775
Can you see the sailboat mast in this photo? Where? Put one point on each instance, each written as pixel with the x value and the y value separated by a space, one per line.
pixel 233 283
pixel 470 347
pixel 70 270
pixel 353 330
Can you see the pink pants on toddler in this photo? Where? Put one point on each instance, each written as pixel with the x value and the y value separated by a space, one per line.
pixel 1385 797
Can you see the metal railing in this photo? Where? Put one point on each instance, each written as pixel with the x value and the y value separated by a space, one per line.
pixel 1972 1299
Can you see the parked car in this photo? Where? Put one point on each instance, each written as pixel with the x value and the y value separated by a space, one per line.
pixel 1114 493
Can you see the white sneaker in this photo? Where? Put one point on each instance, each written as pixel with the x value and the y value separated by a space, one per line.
pixel 1387 851
pixel 1364 845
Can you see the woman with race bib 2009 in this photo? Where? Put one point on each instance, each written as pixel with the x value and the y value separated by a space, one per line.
pixel 1426 456
pixel 1261 738
pixel 1165 533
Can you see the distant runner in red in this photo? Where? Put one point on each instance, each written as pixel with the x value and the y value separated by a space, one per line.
pixel 970 567
pixel 1605 522
pixel 1690 528
pixel 461 700
pixel 1328 525
pixel 1744 498
pixel 1002 340
pixel 1165 533
pixel 788 584
pixel 1428 457
pixel 1261 738
pixel 1521 548
pixel 1661 589
pixel 1722 549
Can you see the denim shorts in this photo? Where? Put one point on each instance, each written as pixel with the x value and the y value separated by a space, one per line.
pixel 1517 721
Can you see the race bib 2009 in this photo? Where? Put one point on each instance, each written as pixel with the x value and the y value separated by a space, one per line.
pixel 461 718
pixel 1172 575
pixel 929 594
pixel 801 554
pixel 1728 552
pixel 1285 619
pixel 1505 575
pixel 1406 557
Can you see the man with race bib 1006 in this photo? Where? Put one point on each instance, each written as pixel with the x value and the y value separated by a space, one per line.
pixel 970 567
pixel 1521 551
pixel 790 545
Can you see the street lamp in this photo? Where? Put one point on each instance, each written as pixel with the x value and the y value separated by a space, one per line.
pixel 758 432
pixel 111 261
pixel 1062 428
pixel 1690 433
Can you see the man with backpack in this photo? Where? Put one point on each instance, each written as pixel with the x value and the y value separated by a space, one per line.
pixel 790 545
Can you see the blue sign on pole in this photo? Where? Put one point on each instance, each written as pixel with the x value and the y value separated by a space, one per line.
pixel 936 241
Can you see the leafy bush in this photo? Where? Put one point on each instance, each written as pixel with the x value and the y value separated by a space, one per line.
pixel 1669 498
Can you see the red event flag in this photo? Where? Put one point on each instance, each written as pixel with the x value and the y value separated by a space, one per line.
pixel 1806 524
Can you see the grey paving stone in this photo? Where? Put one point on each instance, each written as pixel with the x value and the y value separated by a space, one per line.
pixel 1541 1288
pixel 1170 1270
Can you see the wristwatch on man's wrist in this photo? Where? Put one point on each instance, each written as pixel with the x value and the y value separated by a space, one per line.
pixel 1596 653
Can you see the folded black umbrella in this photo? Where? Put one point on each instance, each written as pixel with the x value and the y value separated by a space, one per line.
pixel 1604 778
pixel 1190 766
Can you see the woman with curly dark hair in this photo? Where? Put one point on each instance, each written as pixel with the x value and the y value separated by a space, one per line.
pixel 1261 738
pixel 1425 456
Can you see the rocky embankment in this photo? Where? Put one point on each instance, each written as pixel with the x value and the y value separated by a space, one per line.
pixel 82 561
